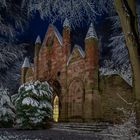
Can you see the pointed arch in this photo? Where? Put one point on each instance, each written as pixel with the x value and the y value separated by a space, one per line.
pixel 76 95
pixel 56 99
pixel 56 109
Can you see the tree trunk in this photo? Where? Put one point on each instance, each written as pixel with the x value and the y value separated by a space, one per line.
pixel 127 12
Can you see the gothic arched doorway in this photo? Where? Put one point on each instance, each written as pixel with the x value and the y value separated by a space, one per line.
pixel 56 109
pixel 76 99
pixel 56 103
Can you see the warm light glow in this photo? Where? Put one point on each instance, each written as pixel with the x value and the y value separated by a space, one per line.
pixel 56 109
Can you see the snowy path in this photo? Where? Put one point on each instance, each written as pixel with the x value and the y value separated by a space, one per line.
pixel 12 134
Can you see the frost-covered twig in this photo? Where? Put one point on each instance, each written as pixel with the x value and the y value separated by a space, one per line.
pixel 75 10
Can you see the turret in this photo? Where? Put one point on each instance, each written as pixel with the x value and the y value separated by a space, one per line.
pixel 24 69
pixel 91 72
pixel 30 73
pixel 91 46
pixel 91 32
pixel 66 23
pixel 92 55
pixel 66 36
pixel 37 46
pixel 36 56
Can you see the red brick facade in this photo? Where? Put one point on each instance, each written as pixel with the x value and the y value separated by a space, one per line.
pixel 73 75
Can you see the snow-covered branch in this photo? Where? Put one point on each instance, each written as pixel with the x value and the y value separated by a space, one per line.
pixel 75 10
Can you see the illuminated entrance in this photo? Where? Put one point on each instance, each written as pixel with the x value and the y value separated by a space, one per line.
pixel 56 109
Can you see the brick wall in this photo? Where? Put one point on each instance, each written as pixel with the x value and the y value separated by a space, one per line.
pixel 80 97
pixel 110 87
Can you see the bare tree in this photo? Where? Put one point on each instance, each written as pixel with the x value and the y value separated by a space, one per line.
pixel 126 10
pixel 12 19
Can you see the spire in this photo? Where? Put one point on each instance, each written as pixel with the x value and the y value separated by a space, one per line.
pixel 38 40
pixel 26 63
pixel 91 32
pixel 66 23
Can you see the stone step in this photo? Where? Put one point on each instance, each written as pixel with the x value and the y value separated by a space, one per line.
pixel 85 124
pixel 79 130
pixel 80 125
pixel 85 127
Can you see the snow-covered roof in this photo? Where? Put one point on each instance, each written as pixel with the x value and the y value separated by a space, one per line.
pixel 38 40
pixel 106 72
pixel 66 23
pixel 79 48
pixel 26 63
pixel 91 32
pixel 57 34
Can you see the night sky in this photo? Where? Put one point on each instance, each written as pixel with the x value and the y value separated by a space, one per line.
pixel 36 26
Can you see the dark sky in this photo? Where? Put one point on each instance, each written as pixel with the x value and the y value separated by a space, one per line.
pixel 37 26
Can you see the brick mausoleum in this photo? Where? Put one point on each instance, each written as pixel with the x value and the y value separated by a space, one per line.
pixel 73 72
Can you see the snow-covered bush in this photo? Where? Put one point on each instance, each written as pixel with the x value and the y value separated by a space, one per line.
pixel 33 105
pixel 7 109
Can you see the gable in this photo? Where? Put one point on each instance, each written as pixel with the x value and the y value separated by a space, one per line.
pixel 57 35
pixel 50 34
pixel 76 54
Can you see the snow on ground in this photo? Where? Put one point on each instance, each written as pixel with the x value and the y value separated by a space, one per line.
pixel 13 134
